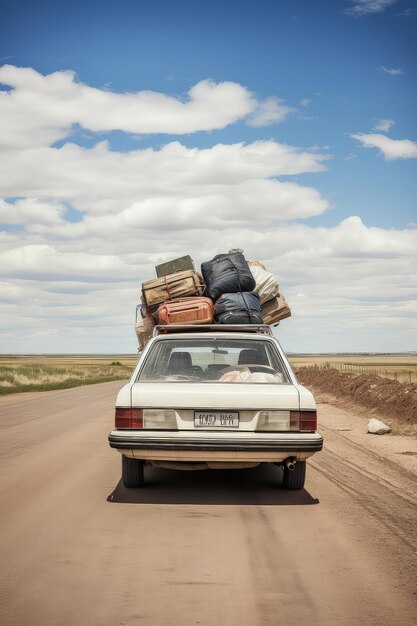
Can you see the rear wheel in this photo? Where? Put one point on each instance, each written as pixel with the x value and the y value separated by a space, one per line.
pixel 132 472
pixel 295 479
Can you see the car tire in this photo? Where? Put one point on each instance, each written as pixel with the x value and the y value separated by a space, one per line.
pixel 132 472
pixel 295 479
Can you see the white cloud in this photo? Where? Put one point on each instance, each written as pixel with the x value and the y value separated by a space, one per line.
pixel 363 7
pixel 204 208
pixel 394 71
pixel 352 277
pixel 392 149
pixel 270 111
pixel 30 211
pixel 305 102
pixel 57 101
pixel 45 261
pixel 40 110
pixel 72 286
pixel 100 180
pixel 384 125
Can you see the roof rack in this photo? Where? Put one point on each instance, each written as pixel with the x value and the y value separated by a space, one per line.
pixel 261 329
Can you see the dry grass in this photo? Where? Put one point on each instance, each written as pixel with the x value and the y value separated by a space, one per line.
pixel 401 367
pixel 19 374
pixel 43 372
pixel 68 360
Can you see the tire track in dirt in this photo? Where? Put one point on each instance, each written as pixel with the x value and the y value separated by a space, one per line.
pixel 404 485
pixel 380 486
pixel 277 583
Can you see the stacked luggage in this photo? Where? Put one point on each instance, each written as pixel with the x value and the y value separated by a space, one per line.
pixel 230 284
pixel 175 297
pixel 229 290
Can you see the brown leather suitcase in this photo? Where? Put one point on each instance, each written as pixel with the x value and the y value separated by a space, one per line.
pixel 196 310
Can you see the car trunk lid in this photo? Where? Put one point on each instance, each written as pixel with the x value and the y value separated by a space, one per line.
pixel 190 399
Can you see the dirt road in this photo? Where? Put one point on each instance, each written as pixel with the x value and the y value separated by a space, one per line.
pixel 214 548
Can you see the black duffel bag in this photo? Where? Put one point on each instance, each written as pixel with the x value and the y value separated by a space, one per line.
pixel 238 308
pixel 227 273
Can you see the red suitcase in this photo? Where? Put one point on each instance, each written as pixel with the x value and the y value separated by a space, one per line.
pixel 196 310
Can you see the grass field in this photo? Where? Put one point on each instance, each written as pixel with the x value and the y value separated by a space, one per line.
pixel 43 372
pixel 401 367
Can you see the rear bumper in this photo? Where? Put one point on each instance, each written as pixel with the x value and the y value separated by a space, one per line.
pixel 188 445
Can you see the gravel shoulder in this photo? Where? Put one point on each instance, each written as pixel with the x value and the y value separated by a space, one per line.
pixel 348 420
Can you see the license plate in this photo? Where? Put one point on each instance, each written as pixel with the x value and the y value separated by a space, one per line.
pixel 216 419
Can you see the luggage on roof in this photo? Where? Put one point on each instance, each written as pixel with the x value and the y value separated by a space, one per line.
pixel 181 264
pixel 197 310
pixel 275 310
pixel 227 273
pixel 144 325
pixel 266 283
pixel 178 285
pixel 244 294
pixel 238 308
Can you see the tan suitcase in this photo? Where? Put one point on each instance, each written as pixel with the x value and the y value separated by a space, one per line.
pixel 275 310
pixel 178 285
pixel 196 310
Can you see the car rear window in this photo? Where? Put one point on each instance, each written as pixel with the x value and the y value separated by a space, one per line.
pixel 213 360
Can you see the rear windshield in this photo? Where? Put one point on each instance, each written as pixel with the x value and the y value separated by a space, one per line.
pixel 213 360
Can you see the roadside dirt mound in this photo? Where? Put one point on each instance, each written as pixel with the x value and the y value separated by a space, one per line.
pixel 382 395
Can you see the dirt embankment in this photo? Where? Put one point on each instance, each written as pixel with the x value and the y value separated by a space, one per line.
pixel 387 398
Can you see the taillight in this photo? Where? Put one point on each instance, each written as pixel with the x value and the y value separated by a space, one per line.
pixel 137 418
pixel 128 418
pixel 303 420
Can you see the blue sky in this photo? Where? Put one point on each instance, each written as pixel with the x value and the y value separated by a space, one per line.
pixel 342 68
pixel 297 50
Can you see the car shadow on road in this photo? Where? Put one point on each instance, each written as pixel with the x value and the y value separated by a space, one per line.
pixel 258 486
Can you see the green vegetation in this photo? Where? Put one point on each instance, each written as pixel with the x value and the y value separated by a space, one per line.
pixel 16 378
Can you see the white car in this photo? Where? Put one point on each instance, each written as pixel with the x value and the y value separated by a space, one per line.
pixel 218 397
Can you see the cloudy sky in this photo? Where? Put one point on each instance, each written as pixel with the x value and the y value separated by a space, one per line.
pixel 132 132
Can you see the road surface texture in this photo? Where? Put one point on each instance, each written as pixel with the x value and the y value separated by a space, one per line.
pixel 212 548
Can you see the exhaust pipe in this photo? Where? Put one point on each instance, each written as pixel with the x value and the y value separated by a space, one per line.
pixel 290 464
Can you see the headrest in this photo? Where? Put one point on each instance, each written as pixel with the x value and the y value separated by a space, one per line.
pixel 180 361
pixel 252 357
